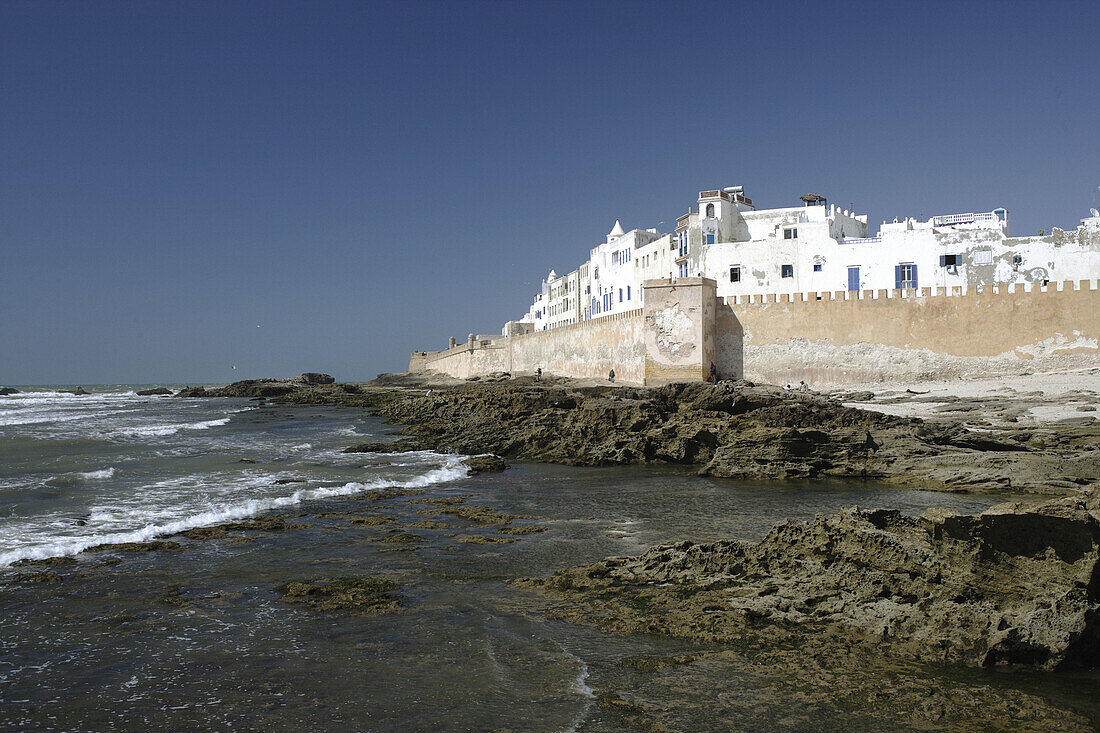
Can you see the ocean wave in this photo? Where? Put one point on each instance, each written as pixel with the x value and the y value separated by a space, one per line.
pixel 451 469
pixel 79 477
pixel 159 431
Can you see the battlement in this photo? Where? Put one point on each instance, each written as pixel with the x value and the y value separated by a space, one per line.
pixel 902 294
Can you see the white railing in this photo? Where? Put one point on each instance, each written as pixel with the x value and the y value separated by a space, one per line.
pixel 857 240
pixel 949 219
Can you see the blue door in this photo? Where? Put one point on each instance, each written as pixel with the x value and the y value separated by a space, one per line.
pixel 853 278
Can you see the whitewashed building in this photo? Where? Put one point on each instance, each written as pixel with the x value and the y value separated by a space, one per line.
pixel 813 247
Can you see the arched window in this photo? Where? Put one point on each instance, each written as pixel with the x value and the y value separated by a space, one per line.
pixel 710 211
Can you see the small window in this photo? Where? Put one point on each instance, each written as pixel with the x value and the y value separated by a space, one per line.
pixel 949 260
pixel 790 234
pixel 788 270
pixel 817 268
pixel 1017 260
pixel 710 239
pixel 735 274
pixel 628 292
pixel 710 211
pixel 983 257
pixel 620 295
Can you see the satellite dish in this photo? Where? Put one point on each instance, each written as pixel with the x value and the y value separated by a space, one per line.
pixel 1095 212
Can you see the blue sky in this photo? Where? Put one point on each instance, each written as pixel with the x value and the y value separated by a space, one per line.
pixel 327 186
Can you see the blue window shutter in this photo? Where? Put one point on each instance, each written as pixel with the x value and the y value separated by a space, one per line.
pixel 914 277
pixel 943 260
pixel 897 277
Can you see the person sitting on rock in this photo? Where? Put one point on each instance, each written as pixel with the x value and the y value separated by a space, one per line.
pixel 538 374
pixel 713 373
pixel 611 376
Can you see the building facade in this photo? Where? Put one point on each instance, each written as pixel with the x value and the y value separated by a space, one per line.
pixel 813 247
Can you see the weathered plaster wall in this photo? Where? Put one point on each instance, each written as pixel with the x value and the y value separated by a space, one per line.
pixel 588 349
pixel 842 341
pixel 672 339
pixel 679 329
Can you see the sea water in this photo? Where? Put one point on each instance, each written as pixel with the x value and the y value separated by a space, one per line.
pixel 200 638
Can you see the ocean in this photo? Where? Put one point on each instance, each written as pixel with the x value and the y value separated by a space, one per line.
pixel 198 636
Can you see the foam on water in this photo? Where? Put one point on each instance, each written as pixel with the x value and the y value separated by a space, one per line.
pixel 80 477
pixel 104 525
pixel 160 431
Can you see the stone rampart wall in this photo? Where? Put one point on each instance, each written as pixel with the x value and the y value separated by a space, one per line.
pixel 588 349
pixel 846 338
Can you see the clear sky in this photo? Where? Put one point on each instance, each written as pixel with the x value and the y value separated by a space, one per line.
pixel 315 186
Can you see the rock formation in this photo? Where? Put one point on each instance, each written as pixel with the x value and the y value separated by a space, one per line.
pixel 1012 585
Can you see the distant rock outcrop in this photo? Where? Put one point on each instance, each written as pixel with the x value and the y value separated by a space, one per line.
pixel 5 391
pixel 317 378
pixel 157 391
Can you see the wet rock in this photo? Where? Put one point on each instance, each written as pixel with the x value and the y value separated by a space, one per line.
pixel 1012 585
pixel 192 392
pixel 401 538
pixel 400 446
pixel 46 562
pixel 284 481
pixel 365 595
pixel 79 391
pixel 5 391
pixel 522 529
pixel 207 533
pixel 385 494
pixel 371 521
pixel 264 524
pixel 484 464
pixel 443 500
pixel 426 524
pixel 317 378
pixel 152 546
pixel 484 515
pixel 43 577
pixel 482 540
pixel 157 391
pixel 175 597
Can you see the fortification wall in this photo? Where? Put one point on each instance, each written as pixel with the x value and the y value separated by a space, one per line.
pixel 848 338
pixel 671 339
pixel 588 349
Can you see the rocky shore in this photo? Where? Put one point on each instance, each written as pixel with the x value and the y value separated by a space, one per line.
pixel 734 430
pixel 1017 584
pixel 1012 585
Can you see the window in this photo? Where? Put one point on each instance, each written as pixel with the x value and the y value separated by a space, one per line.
pixel 683 269
pixel 735 274
pixel 1017 259
pixel 790 234
pixel 817 268
pixel 787 270
pixel 710 211
pixel 983 257
pixel 710 239
pixel 949 260
pixel 628 292
pixel 905 277
pixel 620 295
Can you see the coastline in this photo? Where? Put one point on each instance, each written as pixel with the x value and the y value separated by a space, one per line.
pixel 857 603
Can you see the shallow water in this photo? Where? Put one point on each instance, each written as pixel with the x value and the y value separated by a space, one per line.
pixel 111 644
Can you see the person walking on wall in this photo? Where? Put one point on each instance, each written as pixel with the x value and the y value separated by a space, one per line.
pixel 538 374
pixel 611 376
pixel 713 374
